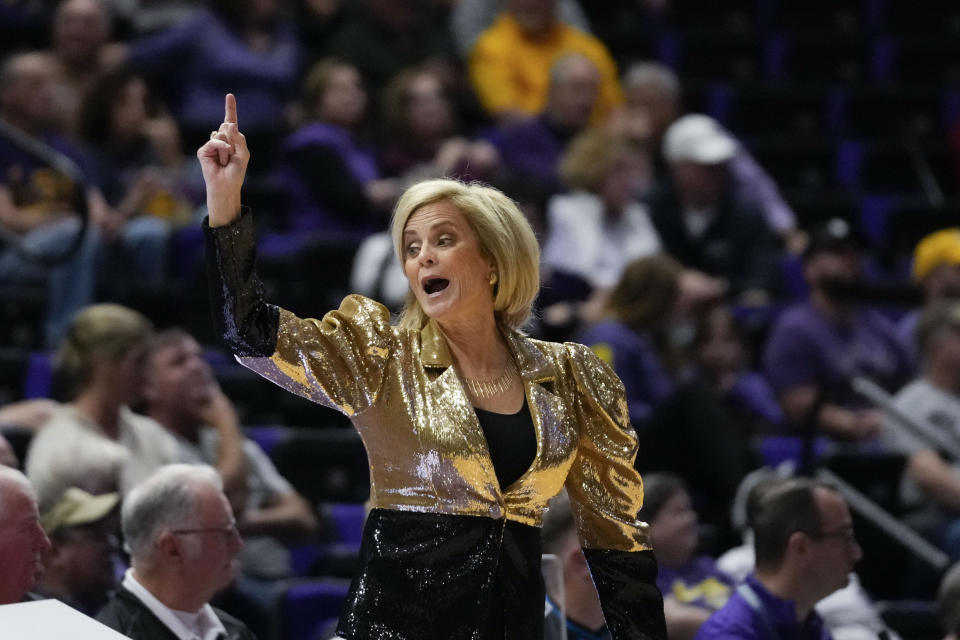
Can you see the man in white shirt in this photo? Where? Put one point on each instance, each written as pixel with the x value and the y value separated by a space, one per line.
pixel 183 542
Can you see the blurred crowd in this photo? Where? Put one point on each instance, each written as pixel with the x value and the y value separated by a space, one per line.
pixel 747 337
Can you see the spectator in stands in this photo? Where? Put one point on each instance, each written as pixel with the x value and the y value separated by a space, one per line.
pixel 721 354
pixel 531 147
pixel 805 550
pixel 181 393
pixel 701 221
pixel 653 101
pixel 510 62
pixel 183 541
pixel 331 179
pixel 100 362
pixel 80 53
pixel 936 268
pixel 693 586
pixel 30 414
pixel 93 464
pixel 39 203
pixel 421 138
pixel 151 16
pixel 848 613
pixel 22 540
pixel 932 487
pixel 248 45
pixel 598 227
pixel 136 150
pixel 668 409
pixel 80 564
pixel 632 335
pixel 816 348
pixel 381 38
pixel 470 18
pixel 584 616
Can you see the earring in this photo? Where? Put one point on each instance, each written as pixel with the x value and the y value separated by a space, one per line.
pixel 493 278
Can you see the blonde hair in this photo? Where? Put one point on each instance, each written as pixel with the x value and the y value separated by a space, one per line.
pixel 504 235
pixel 590 157
pixel 101 331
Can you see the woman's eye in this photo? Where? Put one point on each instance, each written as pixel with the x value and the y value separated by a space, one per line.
pixel 444 240
pixel 412 250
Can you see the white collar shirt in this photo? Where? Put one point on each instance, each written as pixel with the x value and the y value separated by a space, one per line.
pixel 201 625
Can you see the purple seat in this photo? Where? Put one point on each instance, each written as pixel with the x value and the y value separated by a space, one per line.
pixel 348 518
pixel 778 449
pixel 308 607
pixel 266 436
pixel 38 383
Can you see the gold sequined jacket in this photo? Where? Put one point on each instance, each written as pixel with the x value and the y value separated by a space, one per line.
pixel 446 552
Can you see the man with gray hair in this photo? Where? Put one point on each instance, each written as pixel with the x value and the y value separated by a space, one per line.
pixel 22 540
pixel 183 542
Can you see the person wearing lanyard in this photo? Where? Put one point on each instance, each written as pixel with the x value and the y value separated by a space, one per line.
pixel 805 550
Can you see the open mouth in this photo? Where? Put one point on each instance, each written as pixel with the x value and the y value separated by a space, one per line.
pixel 434 285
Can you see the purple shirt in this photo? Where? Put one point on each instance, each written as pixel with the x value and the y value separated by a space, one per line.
pixel 531 149
pixel 205 59
pixel 737 620
pixel 699 583
pixel 807 348
pixel 36 186
pixel 751 394
pixel 633 358
pixel 305 211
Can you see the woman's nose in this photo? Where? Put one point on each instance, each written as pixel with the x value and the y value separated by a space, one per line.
pixel 427 256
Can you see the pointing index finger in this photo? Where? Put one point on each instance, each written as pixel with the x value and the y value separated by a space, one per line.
pixel 230 109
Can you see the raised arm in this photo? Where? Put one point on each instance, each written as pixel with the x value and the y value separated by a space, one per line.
pixel 223 160
pixel 339 360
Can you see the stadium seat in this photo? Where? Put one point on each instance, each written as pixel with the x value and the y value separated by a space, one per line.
pixel 890 112
pixel 715 57
pixel 774 110
pixel 822 61
pixel 797 163
pixel 307 607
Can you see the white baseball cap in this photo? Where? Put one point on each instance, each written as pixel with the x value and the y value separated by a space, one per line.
pixel 698 138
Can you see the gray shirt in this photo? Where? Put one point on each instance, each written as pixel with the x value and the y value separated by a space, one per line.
pixel 937 408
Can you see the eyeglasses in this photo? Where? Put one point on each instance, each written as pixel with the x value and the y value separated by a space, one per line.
pixel 227 531
pixel 847 534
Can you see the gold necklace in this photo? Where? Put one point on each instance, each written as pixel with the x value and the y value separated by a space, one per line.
pixel 486 389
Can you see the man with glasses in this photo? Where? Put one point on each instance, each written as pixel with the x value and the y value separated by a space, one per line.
pixel 183 542
pixel 805 550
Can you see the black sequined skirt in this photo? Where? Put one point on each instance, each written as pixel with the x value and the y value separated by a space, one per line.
pixel 426 576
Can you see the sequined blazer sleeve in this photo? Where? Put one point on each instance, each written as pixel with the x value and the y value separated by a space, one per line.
pixel 606 494
pixel 337 361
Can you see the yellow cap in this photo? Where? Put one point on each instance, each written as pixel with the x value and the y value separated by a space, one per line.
pixel 77 507
pixel 940 247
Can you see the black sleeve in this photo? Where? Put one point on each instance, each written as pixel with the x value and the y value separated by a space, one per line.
pixel 240 315
pixel 330 181
pixel 626 582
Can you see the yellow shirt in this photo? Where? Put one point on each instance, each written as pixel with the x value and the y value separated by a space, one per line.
pixel 509 70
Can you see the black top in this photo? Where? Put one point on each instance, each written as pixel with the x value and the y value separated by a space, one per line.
pixel 511 440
